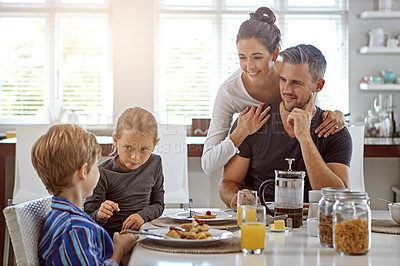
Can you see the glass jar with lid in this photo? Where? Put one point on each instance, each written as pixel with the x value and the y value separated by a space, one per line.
pixel 325 208
pixel 351 223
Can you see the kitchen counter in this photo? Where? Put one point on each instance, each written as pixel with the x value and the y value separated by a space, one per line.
pixel 382 147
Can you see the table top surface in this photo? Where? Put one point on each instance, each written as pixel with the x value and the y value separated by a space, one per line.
pixel 294 247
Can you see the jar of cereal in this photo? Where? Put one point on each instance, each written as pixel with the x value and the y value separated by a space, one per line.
pixel 325 208
pixel 351 223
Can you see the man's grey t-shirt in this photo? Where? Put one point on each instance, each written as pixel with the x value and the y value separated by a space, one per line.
pixel 271 145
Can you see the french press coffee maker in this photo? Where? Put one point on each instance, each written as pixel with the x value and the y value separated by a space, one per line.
pixel 289 193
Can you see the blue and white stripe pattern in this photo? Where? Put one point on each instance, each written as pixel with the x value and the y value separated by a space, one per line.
pixel 71 237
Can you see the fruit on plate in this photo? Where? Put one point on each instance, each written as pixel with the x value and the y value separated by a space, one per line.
pixel 193 230
pixel 206 215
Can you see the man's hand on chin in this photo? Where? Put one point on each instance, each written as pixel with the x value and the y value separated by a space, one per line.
pixel 300 119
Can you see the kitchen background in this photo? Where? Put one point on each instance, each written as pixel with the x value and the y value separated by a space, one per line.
pixel 133 69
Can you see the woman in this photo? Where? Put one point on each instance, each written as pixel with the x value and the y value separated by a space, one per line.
pixel 255 83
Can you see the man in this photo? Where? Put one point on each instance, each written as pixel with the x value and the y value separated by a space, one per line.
pixel 290 133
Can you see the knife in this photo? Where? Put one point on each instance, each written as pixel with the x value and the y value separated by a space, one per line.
pixel 147 233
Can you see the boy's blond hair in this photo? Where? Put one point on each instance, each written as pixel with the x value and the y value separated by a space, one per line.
pixel 138 119
pixel 62 151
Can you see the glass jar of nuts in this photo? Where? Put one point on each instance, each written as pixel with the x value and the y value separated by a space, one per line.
pixel 351 223
pixel 325 209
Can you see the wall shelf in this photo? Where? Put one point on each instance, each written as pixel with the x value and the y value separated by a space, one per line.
pixel 379 50
pixel 379 87
pixel 380 14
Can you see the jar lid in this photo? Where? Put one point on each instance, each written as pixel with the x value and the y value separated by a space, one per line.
pixel 329 192
pixel 351 195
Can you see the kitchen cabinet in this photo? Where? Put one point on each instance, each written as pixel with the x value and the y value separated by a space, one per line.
pixel 380 50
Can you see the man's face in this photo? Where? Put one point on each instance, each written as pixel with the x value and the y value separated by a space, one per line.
pixel 296 85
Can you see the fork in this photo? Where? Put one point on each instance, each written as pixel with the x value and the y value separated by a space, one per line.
pixel 190 212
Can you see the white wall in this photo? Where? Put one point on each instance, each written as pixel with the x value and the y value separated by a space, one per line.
pixel 133 34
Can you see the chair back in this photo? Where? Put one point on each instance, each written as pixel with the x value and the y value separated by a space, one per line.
pixel 25 223
pixel 357 158
pixel 27 184
pixel 173 151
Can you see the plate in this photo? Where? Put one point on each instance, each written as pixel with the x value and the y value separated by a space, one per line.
pixel 287 229
pixel 220 218
pixel 217 235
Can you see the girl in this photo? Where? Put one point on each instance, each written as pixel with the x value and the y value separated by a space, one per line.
pixel 130 190
pixel 257 82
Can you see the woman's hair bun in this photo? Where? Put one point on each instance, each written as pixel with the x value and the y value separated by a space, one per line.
pixel 264 14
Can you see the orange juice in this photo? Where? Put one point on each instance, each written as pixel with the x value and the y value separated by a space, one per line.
pixel 253 236
pixel 239 215
pixel 251 215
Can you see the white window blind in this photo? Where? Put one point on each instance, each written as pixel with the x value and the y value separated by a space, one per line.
pixel 56 57
pixel 196 49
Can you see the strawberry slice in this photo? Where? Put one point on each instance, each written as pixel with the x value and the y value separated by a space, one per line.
pixel 199 222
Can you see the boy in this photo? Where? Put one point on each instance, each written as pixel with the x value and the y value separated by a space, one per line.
pixel 66 160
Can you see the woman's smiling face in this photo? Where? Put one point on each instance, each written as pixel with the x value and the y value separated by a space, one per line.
pixel 254 59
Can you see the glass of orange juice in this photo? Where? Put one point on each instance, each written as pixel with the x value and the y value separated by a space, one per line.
pixel 245 197
pixel 252 229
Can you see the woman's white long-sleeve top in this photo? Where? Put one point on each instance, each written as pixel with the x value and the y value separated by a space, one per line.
pixel 231 98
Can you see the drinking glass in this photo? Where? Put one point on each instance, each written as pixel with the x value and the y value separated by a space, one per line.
pixel 252 229
pixel 245 197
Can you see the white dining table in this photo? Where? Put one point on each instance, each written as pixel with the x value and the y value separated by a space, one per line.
pixel 295 248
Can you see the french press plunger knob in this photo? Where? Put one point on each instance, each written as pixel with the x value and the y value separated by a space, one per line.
pixel 290 161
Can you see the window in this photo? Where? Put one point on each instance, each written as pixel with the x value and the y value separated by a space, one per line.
pixel 196 49
pixel 54 59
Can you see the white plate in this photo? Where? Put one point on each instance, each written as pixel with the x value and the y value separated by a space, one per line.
pixel 220 218
pixel 287 229
pixel 217 235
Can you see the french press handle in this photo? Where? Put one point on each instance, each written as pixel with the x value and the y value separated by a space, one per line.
pixel 261 193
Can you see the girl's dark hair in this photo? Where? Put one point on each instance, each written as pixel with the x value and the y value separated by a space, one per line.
pixel 261 26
